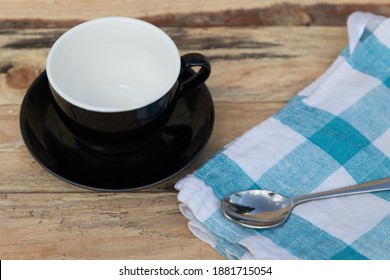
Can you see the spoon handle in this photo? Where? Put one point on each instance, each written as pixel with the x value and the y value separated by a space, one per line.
pixel 372 186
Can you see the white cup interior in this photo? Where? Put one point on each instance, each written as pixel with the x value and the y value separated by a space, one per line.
pixel 113 64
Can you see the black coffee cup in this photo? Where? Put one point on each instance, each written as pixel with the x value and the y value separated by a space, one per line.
pixel 116 80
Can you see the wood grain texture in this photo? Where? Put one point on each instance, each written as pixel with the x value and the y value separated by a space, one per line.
pixel 268 64
pixel 105 226
pixel 51 13
pixel 262 53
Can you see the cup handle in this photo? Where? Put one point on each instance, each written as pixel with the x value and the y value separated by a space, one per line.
pixel 189 61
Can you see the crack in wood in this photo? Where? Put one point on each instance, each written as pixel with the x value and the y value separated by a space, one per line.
pixel 227 42
pixel 36 23
pixel 42 40
pixel 4 67
pixel 249 56
pixel 46 40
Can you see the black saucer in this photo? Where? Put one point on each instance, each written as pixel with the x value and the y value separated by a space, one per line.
pixel 53 146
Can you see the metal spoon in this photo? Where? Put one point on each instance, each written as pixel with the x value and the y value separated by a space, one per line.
pixel 265 209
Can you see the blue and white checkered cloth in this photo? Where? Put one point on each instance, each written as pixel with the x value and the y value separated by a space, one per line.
pixel 334 133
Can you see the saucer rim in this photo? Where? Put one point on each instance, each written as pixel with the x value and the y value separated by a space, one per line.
pixel 33 153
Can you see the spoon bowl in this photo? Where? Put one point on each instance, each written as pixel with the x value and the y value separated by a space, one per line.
pixel 257 208
pixel 265 208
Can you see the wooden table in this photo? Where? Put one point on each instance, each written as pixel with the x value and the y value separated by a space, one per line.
pixel 262 54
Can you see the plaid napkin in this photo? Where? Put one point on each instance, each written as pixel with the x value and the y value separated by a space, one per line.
pixel 334 133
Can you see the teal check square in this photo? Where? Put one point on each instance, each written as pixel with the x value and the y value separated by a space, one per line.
pixel 374 239
pixel 376 58
pixel 370 114
pixel 303 118
pixel 300 171
pixel 369 164
pixel 224 176
pixel 340 140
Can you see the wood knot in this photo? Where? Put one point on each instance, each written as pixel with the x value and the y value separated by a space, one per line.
pixel 21 77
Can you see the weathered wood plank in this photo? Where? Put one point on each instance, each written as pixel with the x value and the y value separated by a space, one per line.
pixel 255 64
pixel 21 174
pixel 49 14
pixel 96 226
pixel 262 53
